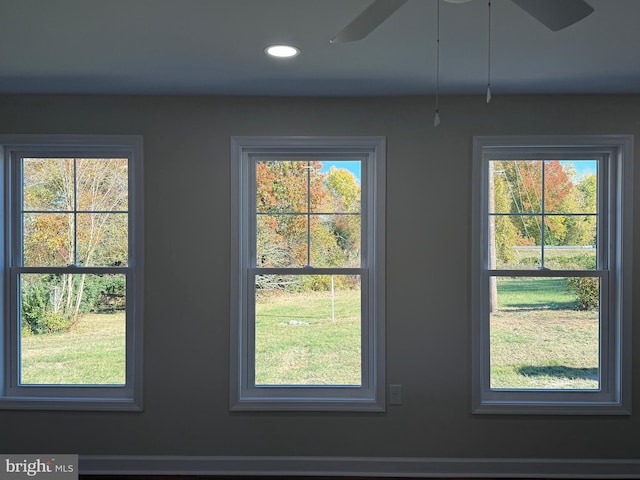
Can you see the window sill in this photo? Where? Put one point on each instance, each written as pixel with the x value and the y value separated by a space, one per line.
pixel 70 403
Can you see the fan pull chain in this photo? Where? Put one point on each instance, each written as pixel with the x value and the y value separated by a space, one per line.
pixel 436 119
pixel 489 57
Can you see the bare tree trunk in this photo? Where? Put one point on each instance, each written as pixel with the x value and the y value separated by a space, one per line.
pixel 79 297
pixel 68 287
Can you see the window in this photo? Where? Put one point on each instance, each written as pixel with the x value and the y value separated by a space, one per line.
pixel 307 281
pixel 552 274
pixel 72 272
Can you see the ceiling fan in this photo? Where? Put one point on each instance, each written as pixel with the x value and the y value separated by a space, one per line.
pixel 554 14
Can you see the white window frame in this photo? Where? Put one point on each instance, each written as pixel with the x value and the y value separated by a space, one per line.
pixel 244 394
pixel 69 397
pixel 615 155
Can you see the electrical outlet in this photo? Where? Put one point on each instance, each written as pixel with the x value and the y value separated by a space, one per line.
pixel 395 394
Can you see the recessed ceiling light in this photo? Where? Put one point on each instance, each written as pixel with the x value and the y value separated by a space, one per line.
pixel 282 51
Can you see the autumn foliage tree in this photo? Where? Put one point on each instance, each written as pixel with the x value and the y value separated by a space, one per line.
pixel 306 216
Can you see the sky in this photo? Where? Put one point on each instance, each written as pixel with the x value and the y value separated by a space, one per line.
pixel 583 167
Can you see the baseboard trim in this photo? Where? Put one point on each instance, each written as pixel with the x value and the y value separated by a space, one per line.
pixel 361 467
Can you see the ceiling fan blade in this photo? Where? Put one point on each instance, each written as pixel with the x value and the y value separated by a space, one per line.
pixel 556 14
pixel 368 20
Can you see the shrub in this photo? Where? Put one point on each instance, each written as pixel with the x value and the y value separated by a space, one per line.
pixel 588 292
pixel 55 322
pixel 35 297
pixel 570 262
pixel 26 331
pixel 102 293
pixel 37 315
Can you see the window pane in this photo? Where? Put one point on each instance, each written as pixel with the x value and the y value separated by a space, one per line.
pixel 515 186
pixel 514 242
pixel 72 329
pixel 341 187
pixel 102 239
pixel 282 186
pixel 570 242
pixel 47 184
pixel 296 188
pixel 308 330
pixel 281 240
pixel 335 240
pixel 102 184
pixel 558 188
pixel 571 186
pixel 516 237
pixel 545 333
pixel 48 239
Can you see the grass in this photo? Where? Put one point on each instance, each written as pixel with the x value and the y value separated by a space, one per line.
pixel 91 353
pixel 535 293
pixel 539 340
pixel 299 343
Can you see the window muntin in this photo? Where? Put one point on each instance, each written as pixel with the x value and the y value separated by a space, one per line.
pixel 550 320
pixel 308 213
pixel 74 273
pixel 543 214
pixel 74 211
pixel 310 331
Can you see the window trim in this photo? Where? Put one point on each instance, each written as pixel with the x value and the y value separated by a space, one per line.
pixel 371 395
pixel 614 397
pixel 127 397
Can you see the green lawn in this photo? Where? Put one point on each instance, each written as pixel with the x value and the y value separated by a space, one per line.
pixel 533 293
pixel 92 352
pixel 298 342
pixel 539 340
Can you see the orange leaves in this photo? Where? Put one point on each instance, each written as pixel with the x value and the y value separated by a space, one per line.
pixel 556 185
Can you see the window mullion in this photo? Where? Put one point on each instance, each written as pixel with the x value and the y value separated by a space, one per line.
pixel 305 271
pixel 308 213
pixel 75 211
pixel 543 230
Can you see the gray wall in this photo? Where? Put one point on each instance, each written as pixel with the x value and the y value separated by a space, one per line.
pixel 186 142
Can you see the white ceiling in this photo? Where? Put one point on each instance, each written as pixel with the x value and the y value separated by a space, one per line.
pixel 216 47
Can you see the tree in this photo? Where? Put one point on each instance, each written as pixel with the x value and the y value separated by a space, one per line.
pixel 345 194
pixel 581 230
pixel 75 213
pixel 505 234
pixel 526 188
pixel 305 215
pixel 285 192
